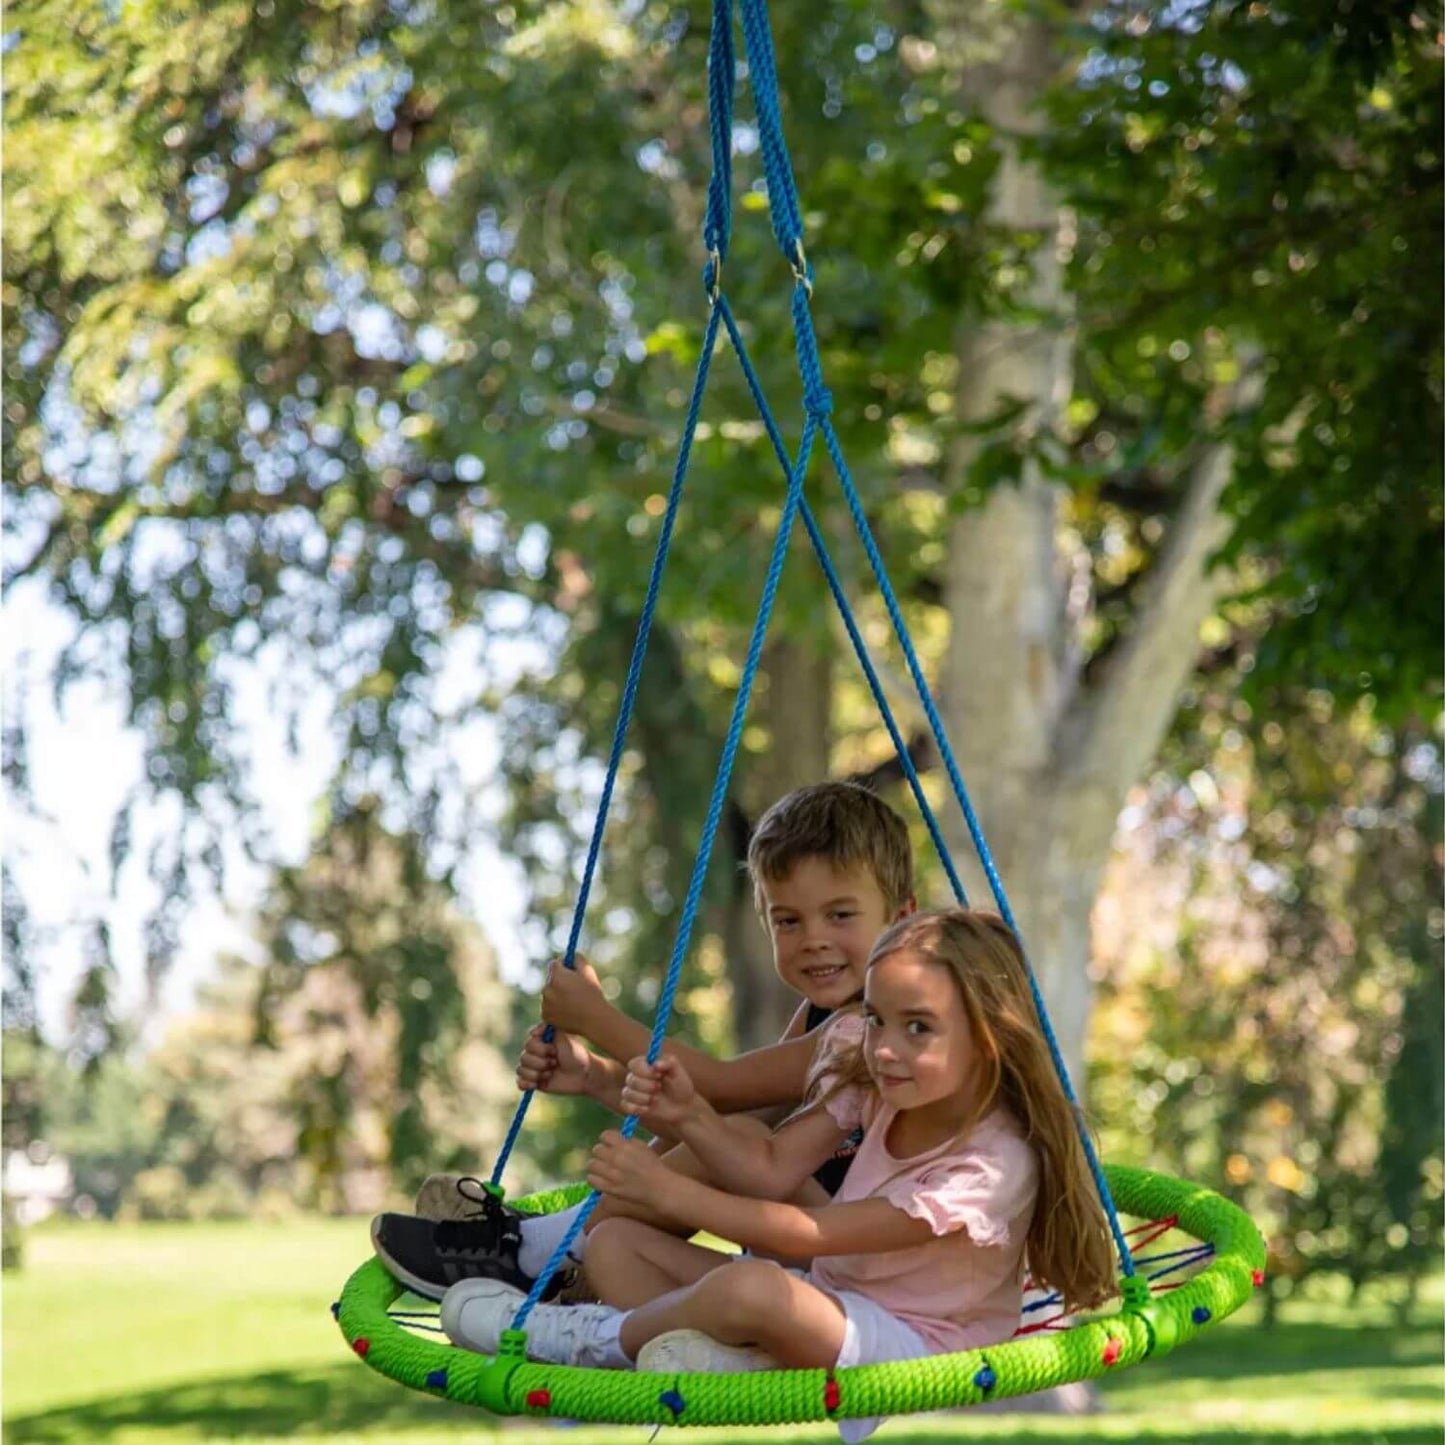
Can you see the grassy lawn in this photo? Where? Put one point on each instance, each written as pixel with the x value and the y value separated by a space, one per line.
pixel 186 1333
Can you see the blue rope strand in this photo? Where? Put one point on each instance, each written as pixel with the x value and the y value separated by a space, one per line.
pixel 835 586
pixel 777 167
pixel 980 843
pixel 819 404
pixel 709 832
pixel 629 696
pixel 787 228
pixel 721 78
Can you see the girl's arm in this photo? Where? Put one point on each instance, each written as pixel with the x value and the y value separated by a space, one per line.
pixel 769 1166
pixel 626 1170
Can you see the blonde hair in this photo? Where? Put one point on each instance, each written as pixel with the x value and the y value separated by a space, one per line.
pixel 843 824
pixel 1069 1248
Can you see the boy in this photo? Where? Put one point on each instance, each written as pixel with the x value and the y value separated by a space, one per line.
pixel 831 866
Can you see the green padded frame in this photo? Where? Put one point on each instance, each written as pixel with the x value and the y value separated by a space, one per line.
pixel 1144 1325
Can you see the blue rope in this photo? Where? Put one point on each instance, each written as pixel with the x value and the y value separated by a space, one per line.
pixel 629 697
pixel 975 830
pixel 835 586
pixel 818 405
pixel 709 832
pixel 787 227
pixel 1183 1258
pixel 721 77
pixel 777 167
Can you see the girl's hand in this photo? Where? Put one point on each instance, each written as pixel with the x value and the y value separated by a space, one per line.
pixel 572 996
pixel 627 1170
pixel 559 1067
pixel 661 1091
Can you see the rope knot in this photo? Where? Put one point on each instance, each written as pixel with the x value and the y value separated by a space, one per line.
pixel 817 400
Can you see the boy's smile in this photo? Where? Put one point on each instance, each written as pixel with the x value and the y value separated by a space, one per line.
pixel 823 921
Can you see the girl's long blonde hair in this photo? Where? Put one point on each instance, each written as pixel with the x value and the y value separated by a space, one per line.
pixel 1069 1248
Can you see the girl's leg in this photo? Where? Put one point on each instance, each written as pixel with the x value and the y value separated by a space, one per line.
pixel 751 1302
pixel 629 1262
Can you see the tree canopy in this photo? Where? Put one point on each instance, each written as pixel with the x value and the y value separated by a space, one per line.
pixel 340 338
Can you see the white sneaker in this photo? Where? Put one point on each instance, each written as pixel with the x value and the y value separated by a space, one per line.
pixel 476 1311
pixel 685 1352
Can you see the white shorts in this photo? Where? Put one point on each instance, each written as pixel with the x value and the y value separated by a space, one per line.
pixel 871 1336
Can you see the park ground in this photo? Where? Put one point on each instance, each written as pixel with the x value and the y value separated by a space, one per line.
pixel 188 1333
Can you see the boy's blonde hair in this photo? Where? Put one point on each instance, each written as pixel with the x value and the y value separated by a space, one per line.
pixel 1068 1247
pixel 842 823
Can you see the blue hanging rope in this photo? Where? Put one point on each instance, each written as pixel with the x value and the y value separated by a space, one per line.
pixel 721 77
pixel 721 783
pixel 835 586
pixel 975 831
pixel 783 203
pixel 717 233
pixel 629 697
pixel 787 227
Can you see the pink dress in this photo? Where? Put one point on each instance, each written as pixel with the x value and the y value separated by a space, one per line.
pixel 963 1288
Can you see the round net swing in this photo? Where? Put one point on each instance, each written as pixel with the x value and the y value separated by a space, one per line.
pixel 1202 1255
pixel 1205 1258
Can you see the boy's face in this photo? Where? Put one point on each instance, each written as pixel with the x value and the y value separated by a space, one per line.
pixel 823 921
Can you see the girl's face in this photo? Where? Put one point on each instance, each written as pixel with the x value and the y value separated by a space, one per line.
pixel 918 1046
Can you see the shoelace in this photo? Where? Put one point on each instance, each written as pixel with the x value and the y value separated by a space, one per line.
pixel 486 1232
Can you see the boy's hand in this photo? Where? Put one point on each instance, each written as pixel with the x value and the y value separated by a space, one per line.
pixel 559 1067
pixel 627 1170
pixel 661 1091
pixel 571 996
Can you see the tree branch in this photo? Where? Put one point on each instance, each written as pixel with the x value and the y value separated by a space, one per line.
pixel 921 753
pixel 1107 737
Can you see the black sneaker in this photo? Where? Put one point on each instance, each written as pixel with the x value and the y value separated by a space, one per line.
pixel 430 1256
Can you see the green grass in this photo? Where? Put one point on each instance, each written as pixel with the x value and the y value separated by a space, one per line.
pixel 179 1334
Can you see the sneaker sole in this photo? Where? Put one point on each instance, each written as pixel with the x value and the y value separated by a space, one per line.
pixel 691 1352
pixel 426 1288
pixel 438 1199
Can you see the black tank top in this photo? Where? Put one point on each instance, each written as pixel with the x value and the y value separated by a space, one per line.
pixel 830 1174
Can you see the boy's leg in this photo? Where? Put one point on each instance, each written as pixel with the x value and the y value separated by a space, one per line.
pixel 750 1302
pixel 630 1262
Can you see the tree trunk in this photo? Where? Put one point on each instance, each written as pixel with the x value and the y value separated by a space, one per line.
pixel 1047 753
pixel 792 702
pixel 1008 668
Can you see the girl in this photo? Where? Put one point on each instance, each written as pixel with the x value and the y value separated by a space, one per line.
pixel 970 1158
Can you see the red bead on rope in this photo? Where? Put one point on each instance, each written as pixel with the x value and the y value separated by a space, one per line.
pixel 1112 1351
pixel 361 1345
pixel 1257 1278
pixel 538 1399
pixel 831 1395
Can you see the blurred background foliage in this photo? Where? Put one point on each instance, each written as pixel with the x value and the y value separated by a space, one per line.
pixel 346 341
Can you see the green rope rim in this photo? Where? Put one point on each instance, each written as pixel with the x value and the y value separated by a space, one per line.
pixel 1143 1326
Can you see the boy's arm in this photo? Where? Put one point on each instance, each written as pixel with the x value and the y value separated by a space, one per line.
pixel 766 1166
pixel 865 1226
pixel 574 1002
